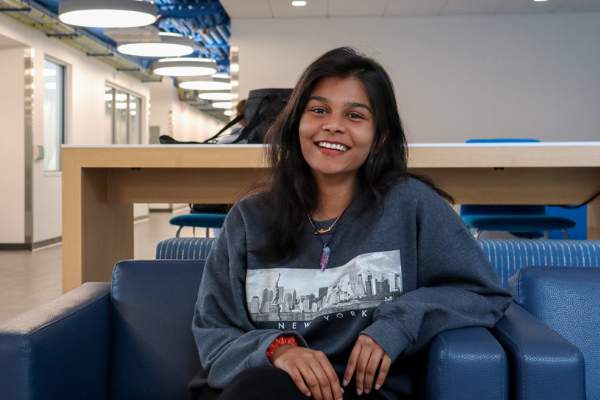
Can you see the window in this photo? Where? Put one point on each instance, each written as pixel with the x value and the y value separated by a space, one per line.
pixel 54 114
pixel 122 116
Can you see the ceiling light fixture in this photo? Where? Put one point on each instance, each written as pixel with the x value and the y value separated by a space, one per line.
pixel 215 96
pixel 228 113
pixel 185 66
pixel 107 13
pixel 168 45
pixel 224 104
pixel 205 85
pixel 216 82
pixel 298 3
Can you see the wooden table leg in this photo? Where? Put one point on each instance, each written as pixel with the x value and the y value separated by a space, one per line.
pixel 593 221
pixel 96 234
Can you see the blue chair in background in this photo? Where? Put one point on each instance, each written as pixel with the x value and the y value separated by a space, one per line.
pixel 198 220
pixel 524 221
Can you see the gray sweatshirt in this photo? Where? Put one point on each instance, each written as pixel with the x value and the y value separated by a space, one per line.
pixel 400 276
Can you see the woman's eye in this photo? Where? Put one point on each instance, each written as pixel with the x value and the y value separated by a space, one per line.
pixel 318 110
pixel 355 116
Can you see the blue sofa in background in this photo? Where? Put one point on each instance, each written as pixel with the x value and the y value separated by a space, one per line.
pixel 507 256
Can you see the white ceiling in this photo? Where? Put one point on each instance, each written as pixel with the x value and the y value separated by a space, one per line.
pixel 396 8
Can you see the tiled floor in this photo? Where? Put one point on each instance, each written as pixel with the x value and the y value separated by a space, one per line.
pixel 29 279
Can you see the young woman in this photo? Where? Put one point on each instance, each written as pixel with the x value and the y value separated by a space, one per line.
pixel 329 283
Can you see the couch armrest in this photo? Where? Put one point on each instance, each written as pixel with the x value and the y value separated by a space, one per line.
pixel 543 364
pixel 58 350
pixel 466 363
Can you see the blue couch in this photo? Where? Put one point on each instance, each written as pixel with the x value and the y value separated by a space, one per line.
pixel 131 339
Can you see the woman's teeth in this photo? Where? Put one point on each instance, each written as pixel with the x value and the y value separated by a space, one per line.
pixel 332 146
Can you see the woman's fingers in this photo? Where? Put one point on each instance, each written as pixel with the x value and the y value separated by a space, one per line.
pixel 361 369
pixel 371 370
pixel 310 370
pixel 351 367
pixel 311 381
pixel 296 376
pixel 383 371
pixel 364 360
pixel 334 382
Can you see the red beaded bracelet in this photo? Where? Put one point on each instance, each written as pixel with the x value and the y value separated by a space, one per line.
pixel 281 340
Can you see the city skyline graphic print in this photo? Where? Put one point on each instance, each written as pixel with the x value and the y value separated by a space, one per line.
pixel 293 294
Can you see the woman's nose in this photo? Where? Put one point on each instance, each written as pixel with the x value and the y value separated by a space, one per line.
pixel 334 123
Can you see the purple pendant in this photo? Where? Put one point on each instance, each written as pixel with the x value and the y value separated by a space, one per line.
pixel 325 257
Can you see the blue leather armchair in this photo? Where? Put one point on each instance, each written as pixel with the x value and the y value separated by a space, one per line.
pixel 566 301
pixel 132 339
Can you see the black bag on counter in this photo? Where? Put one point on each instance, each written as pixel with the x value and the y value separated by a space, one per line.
pixel 262 107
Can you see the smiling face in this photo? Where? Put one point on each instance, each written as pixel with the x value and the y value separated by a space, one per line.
pixel 337 128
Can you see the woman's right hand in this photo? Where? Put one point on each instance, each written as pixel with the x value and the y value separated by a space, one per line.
pixel 310 370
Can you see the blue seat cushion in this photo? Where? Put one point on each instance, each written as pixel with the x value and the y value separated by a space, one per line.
pixel 567 299
pixel 517 223
pixel 199 220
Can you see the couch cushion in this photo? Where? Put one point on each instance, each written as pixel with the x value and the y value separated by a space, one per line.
pixel 509 256
pixel 567 299
pixel 153 353
pixel 184 248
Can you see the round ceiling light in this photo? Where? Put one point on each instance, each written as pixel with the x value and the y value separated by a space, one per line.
pixel 205 85
pixel 107 13
pixel 215 96
pixel 170 45
pixel 224 104
pixel 185 66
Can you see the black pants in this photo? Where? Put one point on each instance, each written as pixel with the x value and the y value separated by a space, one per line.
pixel 268 383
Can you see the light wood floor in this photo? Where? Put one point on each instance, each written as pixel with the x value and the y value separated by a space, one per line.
pixel 29 279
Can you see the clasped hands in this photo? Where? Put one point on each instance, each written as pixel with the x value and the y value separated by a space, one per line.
pixel 314 375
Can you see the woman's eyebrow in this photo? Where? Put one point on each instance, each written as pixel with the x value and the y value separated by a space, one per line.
pixel 355 104
pixel 348 104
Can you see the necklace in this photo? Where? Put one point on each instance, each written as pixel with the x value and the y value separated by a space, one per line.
pixel 326 250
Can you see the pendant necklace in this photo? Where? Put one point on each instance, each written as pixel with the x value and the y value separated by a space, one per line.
pixel 326 249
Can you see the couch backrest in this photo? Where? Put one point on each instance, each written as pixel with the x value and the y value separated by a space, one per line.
pixel 184 248
pixel 566 299
pixel 153 352
pixel 509 256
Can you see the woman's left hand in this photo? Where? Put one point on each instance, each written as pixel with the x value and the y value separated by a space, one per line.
pixel 365 358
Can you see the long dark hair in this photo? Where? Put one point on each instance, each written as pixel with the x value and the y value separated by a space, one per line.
pixel 293 193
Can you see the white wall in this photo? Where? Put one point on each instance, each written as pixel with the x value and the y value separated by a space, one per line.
pixel 188 123
pixel 86 77
pixel 12 154
pixel 456 77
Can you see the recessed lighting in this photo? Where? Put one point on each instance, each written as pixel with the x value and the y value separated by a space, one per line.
pixel 298 3
pixel 540 0
pixel 228 113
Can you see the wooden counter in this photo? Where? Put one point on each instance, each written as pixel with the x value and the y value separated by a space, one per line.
pixel 101 183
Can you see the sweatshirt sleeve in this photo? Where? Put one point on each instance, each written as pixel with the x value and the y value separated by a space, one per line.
pixel 227 341
pixel 456 286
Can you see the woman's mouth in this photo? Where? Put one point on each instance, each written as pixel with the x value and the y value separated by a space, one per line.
pixel 333 146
